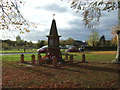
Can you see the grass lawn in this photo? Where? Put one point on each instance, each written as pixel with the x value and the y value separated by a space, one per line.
pixel 18 51
pixel 93 74
pixel 22 50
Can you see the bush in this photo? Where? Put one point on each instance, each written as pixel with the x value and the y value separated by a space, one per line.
pixel 100 48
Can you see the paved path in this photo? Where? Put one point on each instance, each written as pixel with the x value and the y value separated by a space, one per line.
pixel 16 53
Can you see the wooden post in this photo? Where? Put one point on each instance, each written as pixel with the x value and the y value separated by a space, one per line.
pixel 83 58
pixel 54 61
pixel 22 58
pixel 66 56
pixel 71 59
pixel 39 59
pixel 33 59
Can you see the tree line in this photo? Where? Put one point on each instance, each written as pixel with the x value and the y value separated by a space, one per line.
pixel 93 42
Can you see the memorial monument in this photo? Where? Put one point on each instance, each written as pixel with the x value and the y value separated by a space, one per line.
pixel 53 41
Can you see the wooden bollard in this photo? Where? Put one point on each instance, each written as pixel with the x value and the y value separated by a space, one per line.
pixel 83 58
pixel 71 59
pixel 22 58
pixel 39 59
pixel 66 56
pixel 33 59
pixel 54 61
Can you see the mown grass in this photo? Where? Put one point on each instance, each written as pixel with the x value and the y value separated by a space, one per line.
pixel 22 50
pixel 18 51
pixel 98 56
pixel 77 57
pixel 13 58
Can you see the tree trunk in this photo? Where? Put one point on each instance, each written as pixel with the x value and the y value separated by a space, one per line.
pixel 117 59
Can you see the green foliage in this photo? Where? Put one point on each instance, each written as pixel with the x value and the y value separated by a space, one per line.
pixel 102 41
pixel 69 41
pixel 18 44
pixel 16 58
pixel 93 39
pixel 18 38
pixel 40 43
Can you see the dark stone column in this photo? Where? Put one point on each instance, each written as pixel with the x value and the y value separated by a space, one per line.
pixel 39 59
pixel 83 58
pixel 22 58
pixel 33 59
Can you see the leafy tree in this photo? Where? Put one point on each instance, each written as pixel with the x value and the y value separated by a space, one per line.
pixel 20 43
pixel 40 43
pixel 70 41
pixel 30 44
pixel 18 38
pixel 114 41
pixel 5 45
pixel 93 39
pixel 102 41
pixel 63 43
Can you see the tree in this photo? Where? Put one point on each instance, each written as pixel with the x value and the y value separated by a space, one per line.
pixel 40 43
pixel 102 41
pixel 114 41
pixel 92 11
pixel 30 45
pixel 5 45
pixel 18 38
pixel 70 41
pixel 93 39
pixel 117 30
pixel 20 43
pixel 8 44
pixel 11 18
pixel 63 43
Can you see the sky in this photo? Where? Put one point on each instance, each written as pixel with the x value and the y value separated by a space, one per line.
pixel 69 23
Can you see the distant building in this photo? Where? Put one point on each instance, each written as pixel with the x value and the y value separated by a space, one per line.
pixel 80 43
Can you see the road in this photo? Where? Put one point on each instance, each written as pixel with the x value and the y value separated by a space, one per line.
pixel 16 53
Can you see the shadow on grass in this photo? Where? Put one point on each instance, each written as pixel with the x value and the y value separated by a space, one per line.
pixel 64 69
pixel 35 69
pixel 97 68
pixel 93 68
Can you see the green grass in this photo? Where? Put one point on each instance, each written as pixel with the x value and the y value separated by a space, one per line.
pixel 89 57
pixel 18 51
pixel 21 50
pixel 93 57
pixel 13 58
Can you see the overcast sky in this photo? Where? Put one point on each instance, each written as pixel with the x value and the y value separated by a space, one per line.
pixel 69 23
